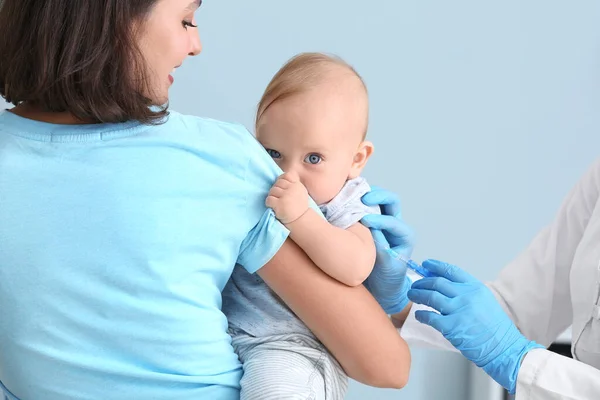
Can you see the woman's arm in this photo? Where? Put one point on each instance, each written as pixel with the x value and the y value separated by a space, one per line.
pixel 347 320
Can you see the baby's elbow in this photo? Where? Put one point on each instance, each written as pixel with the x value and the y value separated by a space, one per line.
pixel 357 272
pixel 363 266
pixel 355 281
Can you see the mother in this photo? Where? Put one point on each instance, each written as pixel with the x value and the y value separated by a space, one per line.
pixel 121 222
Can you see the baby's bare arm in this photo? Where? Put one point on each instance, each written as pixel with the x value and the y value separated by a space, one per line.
pixel 347 255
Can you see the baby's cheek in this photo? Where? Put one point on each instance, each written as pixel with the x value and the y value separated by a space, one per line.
pixel 323 190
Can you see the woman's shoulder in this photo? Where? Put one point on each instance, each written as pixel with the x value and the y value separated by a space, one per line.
pixel 208 128
pixel 228 143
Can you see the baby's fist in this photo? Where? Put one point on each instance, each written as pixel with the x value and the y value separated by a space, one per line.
pixel 288 198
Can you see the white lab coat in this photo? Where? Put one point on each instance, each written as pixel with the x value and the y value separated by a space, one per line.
pixel 553 284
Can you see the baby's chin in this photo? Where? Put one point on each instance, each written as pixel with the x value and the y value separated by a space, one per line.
pixel 322 198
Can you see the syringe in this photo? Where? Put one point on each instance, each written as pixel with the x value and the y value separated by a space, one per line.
pixel 411 264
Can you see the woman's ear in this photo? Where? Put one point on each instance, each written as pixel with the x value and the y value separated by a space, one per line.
pixel 364 151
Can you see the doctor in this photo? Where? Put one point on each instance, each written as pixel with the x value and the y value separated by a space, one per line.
pixel 553 284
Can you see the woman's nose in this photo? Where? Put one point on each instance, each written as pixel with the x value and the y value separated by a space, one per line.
pixel 196 45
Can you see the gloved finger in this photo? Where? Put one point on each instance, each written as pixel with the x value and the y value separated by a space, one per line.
pixel 432 299
pixel 387 257
pixel 448 271
pixel 430 318
pixel 441 285
pixel 388 201
pixel 393 227
pixel 442 304
pixel 476 295
pixel 381 243
pixel 441 323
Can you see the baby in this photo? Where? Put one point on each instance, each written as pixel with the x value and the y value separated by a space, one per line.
pixel 312 119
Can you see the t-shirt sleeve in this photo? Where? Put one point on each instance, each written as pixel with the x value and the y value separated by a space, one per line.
pixel 268 234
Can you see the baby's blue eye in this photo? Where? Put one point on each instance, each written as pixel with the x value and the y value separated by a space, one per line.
pixel 274 153
pixel 313 158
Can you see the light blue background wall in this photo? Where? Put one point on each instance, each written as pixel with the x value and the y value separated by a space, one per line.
pixel 483 115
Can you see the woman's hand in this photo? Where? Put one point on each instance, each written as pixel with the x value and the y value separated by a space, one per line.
pixel 472 320
pixel 388 282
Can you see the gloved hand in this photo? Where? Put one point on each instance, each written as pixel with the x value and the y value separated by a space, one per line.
pixel 388 282
pixel 472 320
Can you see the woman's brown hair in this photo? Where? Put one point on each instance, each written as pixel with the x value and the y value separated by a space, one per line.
pixel 80 57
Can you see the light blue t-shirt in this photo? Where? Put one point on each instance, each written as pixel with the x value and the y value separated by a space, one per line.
pixel 252 308
pixel 115 243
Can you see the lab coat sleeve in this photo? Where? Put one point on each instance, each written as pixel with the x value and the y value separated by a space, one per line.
pixel 535 288
pixel 548 376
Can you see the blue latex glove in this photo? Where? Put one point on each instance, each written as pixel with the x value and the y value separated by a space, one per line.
pixel 472 320
pixel 388 282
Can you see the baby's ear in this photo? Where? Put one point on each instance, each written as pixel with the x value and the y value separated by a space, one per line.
pixel 364 151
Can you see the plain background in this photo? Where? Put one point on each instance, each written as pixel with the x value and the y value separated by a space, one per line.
pixel 483 116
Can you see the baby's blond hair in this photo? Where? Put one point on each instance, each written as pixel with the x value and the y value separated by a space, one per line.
pixel 301 73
